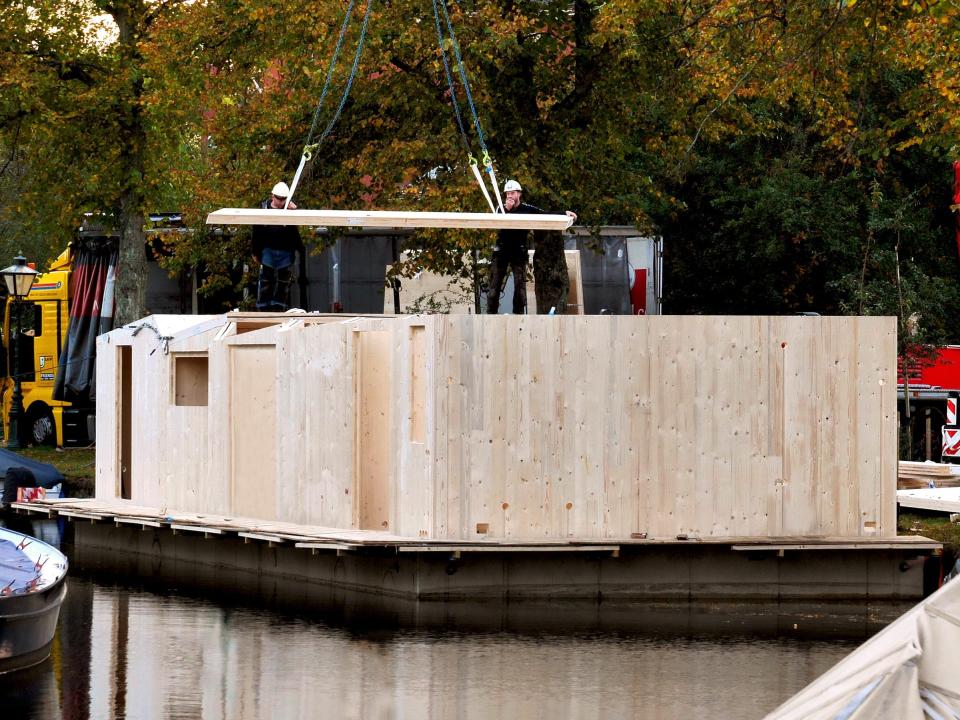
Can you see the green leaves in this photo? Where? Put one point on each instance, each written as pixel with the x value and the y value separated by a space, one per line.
pixel 750 134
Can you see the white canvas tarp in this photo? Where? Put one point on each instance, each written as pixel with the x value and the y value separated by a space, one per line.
pixel 909 670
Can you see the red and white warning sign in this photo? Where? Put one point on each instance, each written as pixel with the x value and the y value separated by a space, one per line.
pixel 951 411
pixel 951 442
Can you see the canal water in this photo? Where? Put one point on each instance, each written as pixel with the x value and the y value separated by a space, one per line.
pixel 129 648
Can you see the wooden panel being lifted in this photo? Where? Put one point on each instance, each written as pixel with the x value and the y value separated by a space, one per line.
pixel 388 219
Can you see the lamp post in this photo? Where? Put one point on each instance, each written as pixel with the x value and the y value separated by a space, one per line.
pixel 19 279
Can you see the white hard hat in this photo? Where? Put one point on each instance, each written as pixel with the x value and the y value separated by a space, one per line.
pixel 281 190
pixel 512 185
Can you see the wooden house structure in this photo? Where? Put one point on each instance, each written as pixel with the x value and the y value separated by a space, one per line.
pixel 473 428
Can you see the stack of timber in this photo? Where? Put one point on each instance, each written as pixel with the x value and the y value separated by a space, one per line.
pixel 465 427
pixel 916 475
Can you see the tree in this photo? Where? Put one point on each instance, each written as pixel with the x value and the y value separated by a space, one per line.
pixel 751 132
pixel 74 114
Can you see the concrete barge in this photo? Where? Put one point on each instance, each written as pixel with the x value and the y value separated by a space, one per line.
pixel 440 456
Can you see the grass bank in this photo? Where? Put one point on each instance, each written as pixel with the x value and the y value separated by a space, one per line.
pixel 936 526
pixel 78 467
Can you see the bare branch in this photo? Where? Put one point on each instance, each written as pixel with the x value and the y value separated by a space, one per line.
pixel 14 145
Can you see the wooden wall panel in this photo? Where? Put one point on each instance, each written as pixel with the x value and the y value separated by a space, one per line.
pixel 465 427
pixel 108 432
pixel 733 426
pixel 374 429
pixel 414 396
pixel 317 427
pixel 254 424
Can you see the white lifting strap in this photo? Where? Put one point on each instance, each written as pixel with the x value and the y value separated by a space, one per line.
pixel 483 186
pixel 496 188
pixel 296 179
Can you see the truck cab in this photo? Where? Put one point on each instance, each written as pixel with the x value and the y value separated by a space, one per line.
pixel 34 333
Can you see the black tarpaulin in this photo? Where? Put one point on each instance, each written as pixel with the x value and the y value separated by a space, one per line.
pixel 91 313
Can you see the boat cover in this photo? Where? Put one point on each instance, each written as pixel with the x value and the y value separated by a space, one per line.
pixel 47 475
pixel 19 572
pixel 906 671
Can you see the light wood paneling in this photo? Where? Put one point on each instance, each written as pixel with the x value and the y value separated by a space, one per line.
pixel 254 426
pixel 374 428
pixel 316 443
pixel 595 427
pixel 389 219
pixel 520 427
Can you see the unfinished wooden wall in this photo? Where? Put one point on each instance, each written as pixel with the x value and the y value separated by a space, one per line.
pixel 174 461
pixel 710 426
pixel 316 448
pixel 354 418
pixel 466 427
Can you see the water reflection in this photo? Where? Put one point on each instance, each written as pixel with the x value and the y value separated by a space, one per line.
pixel 157 651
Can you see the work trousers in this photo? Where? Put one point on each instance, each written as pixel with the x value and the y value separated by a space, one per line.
pixel 273 285
pixel 504 261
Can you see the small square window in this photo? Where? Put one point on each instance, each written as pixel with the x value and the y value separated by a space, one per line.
pixel 190 374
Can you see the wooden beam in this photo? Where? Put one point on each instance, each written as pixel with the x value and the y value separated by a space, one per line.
pixel 389 219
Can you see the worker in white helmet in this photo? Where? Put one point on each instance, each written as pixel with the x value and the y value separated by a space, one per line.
pixel 274 249
pixel 510 253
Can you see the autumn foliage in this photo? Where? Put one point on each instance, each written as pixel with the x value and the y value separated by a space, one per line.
pixel 796 156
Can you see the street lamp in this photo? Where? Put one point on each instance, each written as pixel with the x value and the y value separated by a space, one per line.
pixel 19 279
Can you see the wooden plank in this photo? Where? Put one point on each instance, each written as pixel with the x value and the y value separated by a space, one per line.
pixel 84 514
pixel 418 384
pixel 262 537
pixel 137 521
pixel 506 548
pixel 205 529
pixel 929 545
pixel 941 499
pixel 324 546
pixel 374 429
pixel 34 507
pixel 802 400
pixel 254 425
pixel 412 398
pixel 575 276
pixel 889 445
pixel 389 219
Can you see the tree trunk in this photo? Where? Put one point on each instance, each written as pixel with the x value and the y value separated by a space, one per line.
pixel 131 285
pixel 131 290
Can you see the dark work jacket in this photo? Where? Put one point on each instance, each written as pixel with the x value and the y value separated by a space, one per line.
pixel 278 237
pixel 512 241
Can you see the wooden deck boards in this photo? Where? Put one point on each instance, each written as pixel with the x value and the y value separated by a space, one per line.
pixel 389 219
pixel 321 538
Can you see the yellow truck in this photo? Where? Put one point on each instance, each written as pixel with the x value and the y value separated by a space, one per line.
pixel 39 326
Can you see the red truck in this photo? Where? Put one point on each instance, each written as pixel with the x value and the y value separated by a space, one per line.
pixel 933 387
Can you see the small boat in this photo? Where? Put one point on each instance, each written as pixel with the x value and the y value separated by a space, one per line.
pixel 907 671
pixel 32 587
